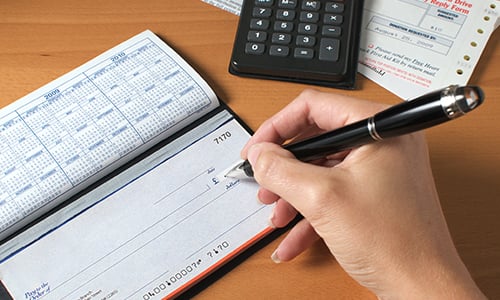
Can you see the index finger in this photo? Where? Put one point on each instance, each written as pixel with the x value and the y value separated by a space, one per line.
pixel 312 109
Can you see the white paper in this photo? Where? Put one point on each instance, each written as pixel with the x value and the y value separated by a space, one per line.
pixel 62 137
pixel 154 236
pixel 232 6
pixel 411 47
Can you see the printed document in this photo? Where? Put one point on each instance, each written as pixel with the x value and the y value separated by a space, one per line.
pixel 62 137
pixel 157 234
pixel 232 6
pixel 411 47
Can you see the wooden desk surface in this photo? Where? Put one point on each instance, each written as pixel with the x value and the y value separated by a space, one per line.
pixel 42 40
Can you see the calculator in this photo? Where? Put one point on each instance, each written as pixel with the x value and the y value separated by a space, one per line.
pixel 313 42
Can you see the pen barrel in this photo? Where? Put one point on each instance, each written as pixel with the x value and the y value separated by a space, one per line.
pixel 407 117
pixel 335 141
pixel 410 116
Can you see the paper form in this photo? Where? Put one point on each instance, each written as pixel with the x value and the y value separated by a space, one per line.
pixel 411 47
pixel 55 141
pixel 156 234
pixel 232 6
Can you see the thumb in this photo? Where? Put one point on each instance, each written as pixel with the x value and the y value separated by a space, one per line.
pixel 302 185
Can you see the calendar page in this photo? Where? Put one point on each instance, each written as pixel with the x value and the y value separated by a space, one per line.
pixel 64 136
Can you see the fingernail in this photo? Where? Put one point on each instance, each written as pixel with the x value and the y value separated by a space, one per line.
pixel 253 154
pixel 270 220
pixel 275 257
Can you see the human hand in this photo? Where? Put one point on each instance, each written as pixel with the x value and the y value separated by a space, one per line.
pixel 375 207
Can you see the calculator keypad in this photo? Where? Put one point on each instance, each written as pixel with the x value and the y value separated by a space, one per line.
pixel 289 34
pixel 312 40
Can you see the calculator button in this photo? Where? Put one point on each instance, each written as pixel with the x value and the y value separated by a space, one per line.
pixel 287 3
pixel 281 38
pixel 254 48
pixel 259 24
pixel 267 3
pixel 334 7
pixel 283 26
pixel 305 40
pixel 307 28
pixel 303 53
pixel 262 12
pixel 329 49
pixel 311 5
pixel 308 16
pixel 279 50
pixel 287 15
pixel 256 36
pixel 333 19
pixel 331 31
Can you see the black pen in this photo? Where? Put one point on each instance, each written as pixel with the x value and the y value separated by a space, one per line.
pixel 410 116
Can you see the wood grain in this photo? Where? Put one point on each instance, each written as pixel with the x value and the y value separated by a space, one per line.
pixel 41 40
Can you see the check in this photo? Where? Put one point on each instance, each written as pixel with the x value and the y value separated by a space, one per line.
pixel 161 232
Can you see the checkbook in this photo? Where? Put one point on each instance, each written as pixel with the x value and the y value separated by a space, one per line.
pixel 112 182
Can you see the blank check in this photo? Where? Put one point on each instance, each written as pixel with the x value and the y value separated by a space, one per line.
pixel 159 232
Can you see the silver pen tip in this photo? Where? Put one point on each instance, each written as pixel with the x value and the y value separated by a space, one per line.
pixel 234 171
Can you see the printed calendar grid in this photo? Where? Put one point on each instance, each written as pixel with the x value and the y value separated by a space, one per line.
pixel 97 117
